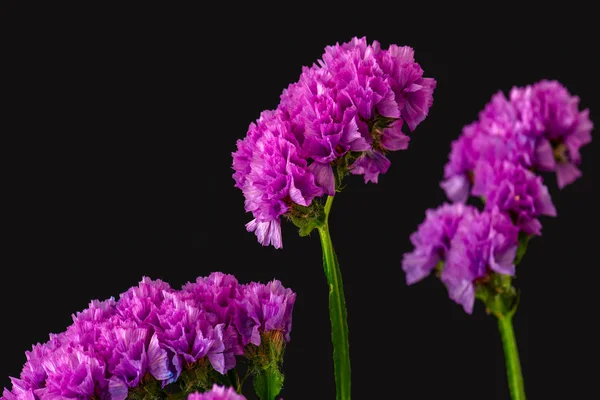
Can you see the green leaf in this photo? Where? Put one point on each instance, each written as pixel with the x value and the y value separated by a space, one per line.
pixel 268 382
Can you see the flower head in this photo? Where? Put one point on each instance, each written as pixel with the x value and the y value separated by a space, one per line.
pixel 147 338
pixel 539 127
pixel 217 295
pixel 73 373
pixel 413 93
pixel 140 303
pixel 186 333
pixel 432 240
pixel 264 308
pixel 134 353
pixel 552 116
pixel 342 116
pixel 272 175
pixel 484 242
pixel 515 190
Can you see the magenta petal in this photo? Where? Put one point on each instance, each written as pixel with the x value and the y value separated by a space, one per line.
pixel 544 203
pixel 217 360
pixel 462 292
pixel 531 227
pixel 118 389
pixel 355 138
pixel 323 176
pixel 503 262
pixel 20 395
pixel 583 131
pixel 419 100
pixel 456 188
pixel 544 156
pixel 7 395
pixel 388 106
pixel 483 177
pixel 229 360
pixel 393 138
pixel 417 266
pixel 247 324
pixel 267 232
pixel 296 195
pixel 370 164
pixel 566 173
pixel 158 361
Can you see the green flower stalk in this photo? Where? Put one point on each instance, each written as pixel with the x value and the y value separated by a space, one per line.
pixel 497 159
pixel 343 116
pixel 337 308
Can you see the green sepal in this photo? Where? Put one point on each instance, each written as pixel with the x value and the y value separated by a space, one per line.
pixel 149 389
pixel 522 249
pixel 308 218
pixel 439 267
pixel 265 363
pixel 498 294
pixel 268 383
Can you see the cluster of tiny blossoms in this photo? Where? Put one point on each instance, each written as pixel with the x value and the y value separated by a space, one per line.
pixel 342 116
pixel 538 129
pixel 153 336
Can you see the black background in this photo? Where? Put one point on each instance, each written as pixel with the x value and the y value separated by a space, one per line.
pixel 121 168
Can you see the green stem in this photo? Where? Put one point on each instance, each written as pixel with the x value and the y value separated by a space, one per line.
pixel 511 354
pixel 234 380
pixel 337 310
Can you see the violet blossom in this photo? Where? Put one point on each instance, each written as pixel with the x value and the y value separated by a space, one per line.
pixel 264 308
pixel 432 240
pixel 515 190
pixel 553 119
pixel 152 333
pixel 341 116
pixel 539 127
pixel 187 334
pixel 484 242
pixel 466 244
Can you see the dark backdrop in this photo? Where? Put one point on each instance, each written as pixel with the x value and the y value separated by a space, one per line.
pixel 122 168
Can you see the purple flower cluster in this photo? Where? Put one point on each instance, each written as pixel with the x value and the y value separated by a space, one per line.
pixel 467 243
pixel 153 332
pixel 540 128
pixel 350 105
pixel 217 393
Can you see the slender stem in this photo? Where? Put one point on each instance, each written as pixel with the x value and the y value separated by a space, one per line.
pixel 337 310
pixel 234 380
pixel 511 354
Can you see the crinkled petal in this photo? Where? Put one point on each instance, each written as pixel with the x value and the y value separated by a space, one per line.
pixel 566 173
pixel 393 138
pixel 456 188
pixel 323 177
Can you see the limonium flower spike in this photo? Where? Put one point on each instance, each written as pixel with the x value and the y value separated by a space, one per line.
pixel 539 127
pixel 344 113
pixel 466 245
pixel 154 336
pixel 496 162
